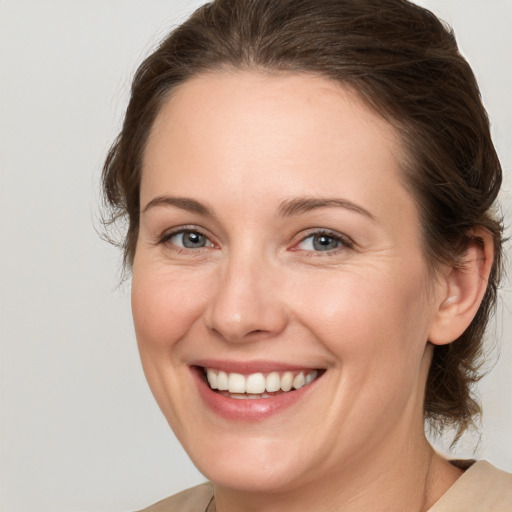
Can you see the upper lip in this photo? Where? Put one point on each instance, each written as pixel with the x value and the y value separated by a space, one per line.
pixel 248 367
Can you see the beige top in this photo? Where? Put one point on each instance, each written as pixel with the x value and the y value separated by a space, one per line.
pixel 482 488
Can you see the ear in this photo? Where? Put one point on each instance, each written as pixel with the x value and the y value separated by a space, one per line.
pixel 462 288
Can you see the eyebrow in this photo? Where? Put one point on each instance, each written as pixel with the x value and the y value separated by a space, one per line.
pixel 287 208
pixel 300 205
pixel 185 203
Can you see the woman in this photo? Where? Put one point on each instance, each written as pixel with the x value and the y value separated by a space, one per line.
pixel 309 187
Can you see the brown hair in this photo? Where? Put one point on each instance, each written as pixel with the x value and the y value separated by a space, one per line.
pixel 405 64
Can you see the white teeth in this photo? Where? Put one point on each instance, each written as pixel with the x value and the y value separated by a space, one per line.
pixel 287 381
pixel 257 385
pixel 299 381
pixel 310 377
pixel 211 375
pixel 222 381
pixel 236 383
pixel 273 382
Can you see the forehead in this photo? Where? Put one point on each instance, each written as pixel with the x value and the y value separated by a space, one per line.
pixel 251 98
pixel 270 135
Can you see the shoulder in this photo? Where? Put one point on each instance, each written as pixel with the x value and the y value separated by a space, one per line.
pixel 195 499
pixel 482 487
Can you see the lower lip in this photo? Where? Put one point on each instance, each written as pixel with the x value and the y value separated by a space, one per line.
pixel 247 410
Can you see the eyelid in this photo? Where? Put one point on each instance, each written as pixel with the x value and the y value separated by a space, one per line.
pixel 168 234
pixel 346 241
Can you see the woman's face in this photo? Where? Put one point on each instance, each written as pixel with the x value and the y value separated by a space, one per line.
pixel 278 247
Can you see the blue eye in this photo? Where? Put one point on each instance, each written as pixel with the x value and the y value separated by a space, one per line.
pixel 189 239
pixel 322 242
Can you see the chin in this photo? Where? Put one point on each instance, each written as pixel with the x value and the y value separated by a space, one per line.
pixel 251 462
pixel 251 470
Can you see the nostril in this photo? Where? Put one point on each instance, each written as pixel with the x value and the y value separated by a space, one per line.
pixel 239 318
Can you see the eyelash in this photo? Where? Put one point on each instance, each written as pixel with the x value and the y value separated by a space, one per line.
pixel 165 239
pixel 344 241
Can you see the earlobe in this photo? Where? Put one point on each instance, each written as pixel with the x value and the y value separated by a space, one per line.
pixel 463 288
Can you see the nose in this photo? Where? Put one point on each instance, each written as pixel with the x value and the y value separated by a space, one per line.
pixel 246 304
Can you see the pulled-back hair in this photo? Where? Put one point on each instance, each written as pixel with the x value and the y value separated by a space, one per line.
pixel 405 64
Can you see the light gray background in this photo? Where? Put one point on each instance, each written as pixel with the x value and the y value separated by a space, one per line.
pixel 79 429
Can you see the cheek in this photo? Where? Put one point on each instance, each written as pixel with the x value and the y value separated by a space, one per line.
pixel 376 329
pixel 367 317
pixel 164 307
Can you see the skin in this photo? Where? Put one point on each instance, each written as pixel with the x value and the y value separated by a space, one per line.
pixel 242 144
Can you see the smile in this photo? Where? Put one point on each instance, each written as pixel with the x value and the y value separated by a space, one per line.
pixel 256 386
pixel 253 391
